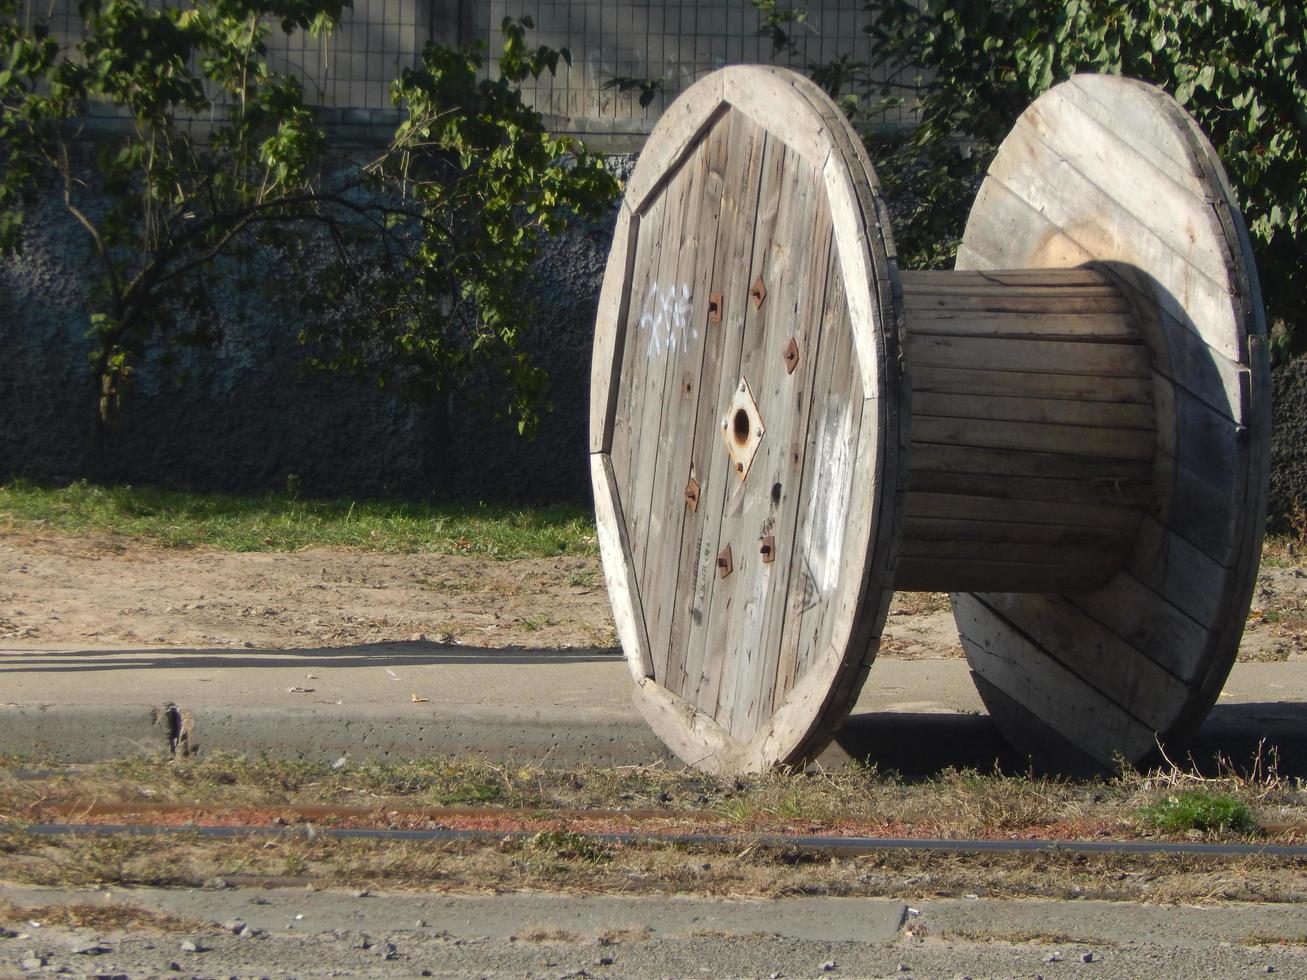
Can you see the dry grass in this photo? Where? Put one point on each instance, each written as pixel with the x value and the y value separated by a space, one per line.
pixel 956 803
pixel 102 918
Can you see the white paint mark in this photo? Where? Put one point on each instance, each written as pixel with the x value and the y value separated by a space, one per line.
pixel 823 535
pixel 393 676
pixel 665 320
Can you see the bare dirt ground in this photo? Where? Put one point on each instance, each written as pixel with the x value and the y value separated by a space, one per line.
pixel 107 590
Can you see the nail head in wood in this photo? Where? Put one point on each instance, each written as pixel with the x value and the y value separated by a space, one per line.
pixel 791 356
pixel 758 292
pixel 725 565
pixel 692 495
pixel 767 548
pixel 714 307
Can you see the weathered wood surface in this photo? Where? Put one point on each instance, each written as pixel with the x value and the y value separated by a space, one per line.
pixel 1038 515
pixel 1112 172
pixel 759 665
pixel 1081 455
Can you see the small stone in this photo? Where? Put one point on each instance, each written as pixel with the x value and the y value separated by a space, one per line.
pixel 363 942
pixel 214 884
pixel 828 966
pixel 7 933
pixel 234 925
pixel 904 968
pixel 1086 957
pixel 32 962
pixel 1269 968
pixel 420 924
pixel 1053 958
pixel 362 893
pixel 175 967
pixel 389 952
pixel 193 946
pixel 259 900
pixel 603 961
pixel 425 973
pixel 92 949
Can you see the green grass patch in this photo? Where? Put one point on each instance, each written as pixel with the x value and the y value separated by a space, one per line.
pixel 284 522
pixel 1198 810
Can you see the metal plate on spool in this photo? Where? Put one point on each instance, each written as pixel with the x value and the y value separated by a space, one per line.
pixel 1113 172
pixel 751 224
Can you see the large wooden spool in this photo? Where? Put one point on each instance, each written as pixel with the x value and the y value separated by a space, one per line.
pixel 1068 433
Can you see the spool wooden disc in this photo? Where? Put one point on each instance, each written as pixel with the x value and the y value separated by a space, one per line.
pixel 1111 171
pixel 745 436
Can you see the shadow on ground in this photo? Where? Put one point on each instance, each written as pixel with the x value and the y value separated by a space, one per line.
pixel 918 744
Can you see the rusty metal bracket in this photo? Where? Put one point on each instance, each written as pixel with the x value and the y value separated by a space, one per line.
pixel 758 292
pixel 767 548
pixel 714 307
pixel 724 563
pixel 692 494
pixel 791 356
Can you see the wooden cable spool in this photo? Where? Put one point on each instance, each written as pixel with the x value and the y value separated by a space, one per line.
pixel 1069 432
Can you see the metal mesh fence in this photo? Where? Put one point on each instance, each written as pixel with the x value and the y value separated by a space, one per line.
pixel 670 44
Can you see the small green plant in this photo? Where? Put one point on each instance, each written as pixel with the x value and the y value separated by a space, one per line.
pixel 1201 811
pixel 567 844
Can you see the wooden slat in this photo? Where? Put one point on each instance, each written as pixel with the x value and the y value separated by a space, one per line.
pixel 1041 437
pixel 969 380
pixel 610 331
pixel 696 571
pixel 959 574
pixel 1018 511
pixel 656 329
pixel 615 550
pixel 1097 655
pixel 738 598
pixel 986 532
pixel 798 267
pixel 694 264
pixel 1007 658
pixel 947 321
pixel 1038 356
pixel 1010 408
pixel 1135 493
pixel 959 459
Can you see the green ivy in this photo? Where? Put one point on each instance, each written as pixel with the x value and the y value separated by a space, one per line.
pixel 971 67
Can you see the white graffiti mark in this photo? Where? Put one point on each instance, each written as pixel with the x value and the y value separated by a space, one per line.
pixel 666 320
pixel 823 543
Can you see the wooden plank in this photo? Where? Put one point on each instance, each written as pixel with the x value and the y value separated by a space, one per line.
pixel 1018 667
pixel 663 323
pixel 1015 408
pixel 927 458
pixel 917 574
pixel 1039 175
pixel 633 401
pixel 738 599
pixel 680 126
pixel 1045 437
pixel 1164 198
pixel 1143 121
pixel 1066 553
pixel 696 571
pixel 956 529
pixel 696 739
pixel 1103 328
pixel 610 330
pixel 1095 654
pixel 619 577
pixel 774 104
pixel 1114 492
pixel 968 380
pixel 1039 356
pixel 802 592
pixel 800 268
pixel 1150 624
pixel 1178 572
pixel 687 341
pixel 1018 511
pixel 711 662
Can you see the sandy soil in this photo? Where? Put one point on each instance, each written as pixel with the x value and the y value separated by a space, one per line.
pixel 112 591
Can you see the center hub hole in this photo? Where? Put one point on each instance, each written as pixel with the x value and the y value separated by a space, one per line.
pixel 741 426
